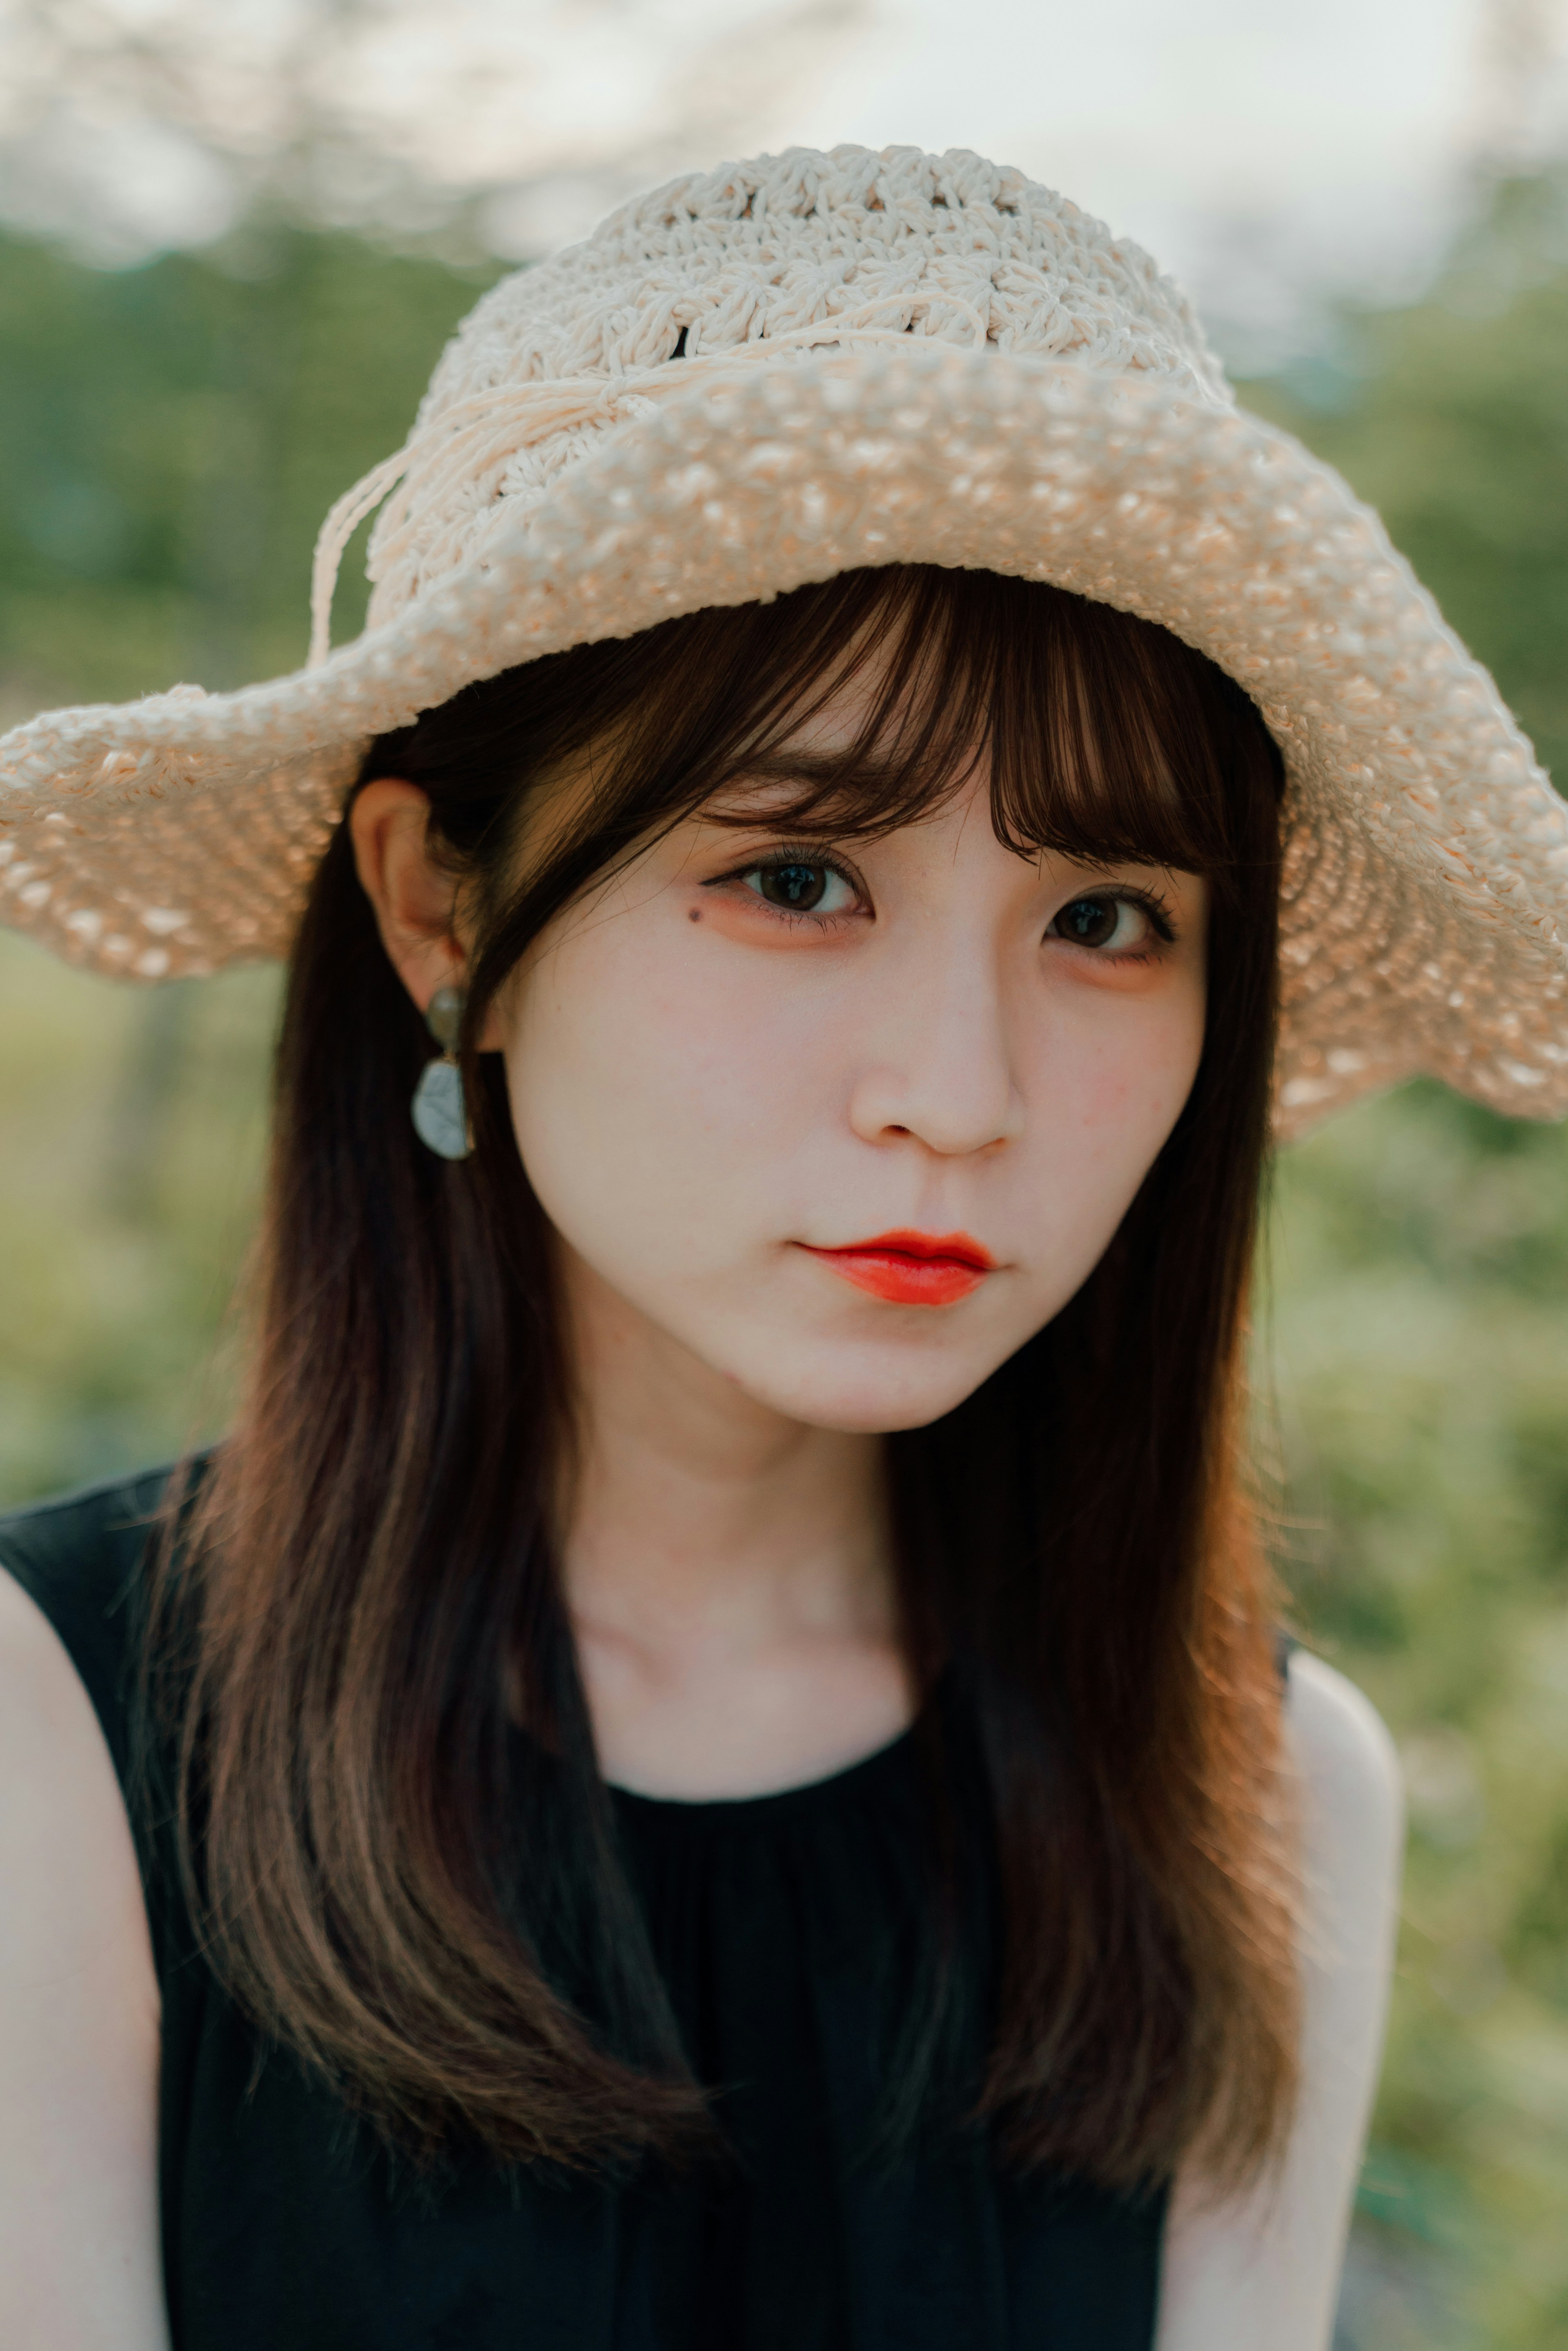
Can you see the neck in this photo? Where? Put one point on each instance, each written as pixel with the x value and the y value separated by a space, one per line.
pixel 728 1570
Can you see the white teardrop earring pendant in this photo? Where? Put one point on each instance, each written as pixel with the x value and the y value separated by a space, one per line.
pixel 439 1113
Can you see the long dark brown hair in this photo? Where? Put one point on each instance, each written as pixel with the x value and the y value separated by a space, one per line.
pixel 435 1912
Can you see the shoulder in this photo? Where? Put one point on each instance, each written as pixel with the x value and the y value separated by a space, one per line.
pixel 1264 2268
pixel 1353 1802
pixel 50 1741
pixel 1336 1727
pixel 79 2010
pixel 103 1524
pixel 80 1560
pixel 72 1572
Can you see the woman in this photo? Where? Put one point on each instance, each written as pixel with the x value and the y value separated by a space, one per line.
pixel 709 1761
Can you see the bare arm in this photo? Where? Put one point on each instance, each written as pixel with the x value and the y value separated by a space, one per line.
pixel 1265 2272
pixel 79 2264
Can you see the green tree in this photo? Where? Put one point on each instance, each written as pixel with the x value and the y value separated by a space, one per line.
pixel 174 433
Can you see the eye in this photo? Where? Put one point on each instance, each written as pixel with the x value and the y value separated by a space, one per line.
pixel 798 886
pixel 1119 925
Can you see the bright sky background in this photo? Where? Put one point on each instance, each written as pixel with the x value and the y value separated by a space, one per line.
pixel 1266 151
pixel 1321 135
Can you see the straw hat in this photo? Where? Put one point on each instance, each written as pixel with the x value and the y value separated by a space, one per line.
pixel 776 371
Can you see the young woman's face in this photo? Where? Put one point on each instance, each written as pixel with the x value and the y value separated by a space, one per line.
pixel 751 1058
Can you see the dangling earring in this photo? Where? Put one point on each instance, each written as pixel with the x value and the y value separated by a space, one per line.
pixel 439 1113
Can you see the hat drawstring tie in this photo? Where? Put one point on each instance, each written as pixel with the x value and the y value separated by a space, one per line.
pixel 342 521
pixel 470 439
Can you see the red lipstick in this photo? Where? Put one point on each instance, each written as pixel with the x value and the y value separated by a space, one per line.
pixel 909 1268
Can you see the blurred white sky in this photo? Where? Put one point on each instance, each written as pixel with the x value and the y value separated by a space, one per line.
pixel 1266 151
pixel 1299 140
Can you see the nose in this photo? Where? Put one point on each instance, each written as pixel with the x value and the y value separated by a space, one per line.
pixel 938 1064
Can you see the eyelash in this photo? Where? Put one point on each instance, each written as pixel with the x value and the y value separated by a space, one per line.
pixel 783 853
pixel 1149 902
pixel 795 853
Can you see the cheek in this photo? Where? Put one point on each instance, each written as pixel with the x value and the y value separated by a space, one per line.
pixel 1134 1083
pixel 653 1106
pixel 1104 1095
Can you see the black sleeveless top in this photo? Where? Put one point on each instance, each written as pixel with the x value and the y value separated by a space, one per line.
pixel 778 1923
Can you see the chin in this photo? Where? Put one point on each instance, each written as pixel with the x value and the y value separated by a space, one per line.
pixel 861 1399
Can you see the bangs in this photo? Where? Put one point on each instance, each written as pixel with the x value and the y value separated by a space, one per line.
pixel 1106 739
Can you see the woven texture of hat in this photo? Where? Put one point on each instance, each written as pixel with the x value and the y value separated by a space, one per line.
pixel 760 260
pixel 766 374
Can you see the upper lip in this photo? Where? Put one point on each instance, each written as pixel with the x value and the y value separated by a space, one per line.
pixel 960 1247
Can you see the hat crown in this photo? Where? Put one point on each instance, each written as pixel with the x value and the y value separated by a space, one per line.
pixel 769 260
pixel 949 247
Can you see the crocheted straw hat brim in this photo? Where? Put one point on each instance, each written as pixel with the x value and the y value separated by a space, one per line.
pixel 1427 870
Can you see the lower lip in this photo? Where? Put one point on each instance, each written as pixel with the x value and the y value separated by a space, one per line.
pixel 903 1280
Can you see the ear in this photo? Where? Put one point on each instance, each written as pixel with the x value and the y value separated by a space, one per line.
pixel 413 897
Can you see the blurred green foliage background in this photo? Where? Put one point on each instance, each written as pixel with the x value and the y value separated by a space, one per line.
pixel 173 435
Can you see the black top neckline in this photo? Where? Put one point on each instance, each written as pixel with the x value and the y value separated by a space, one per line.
pixel 860 1778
